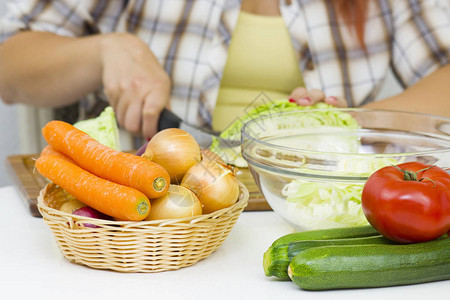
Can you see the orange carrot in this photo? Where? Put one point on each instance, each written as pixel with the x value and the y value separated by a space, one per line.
pixel 48 150
pixel 110 198
pixel 122 168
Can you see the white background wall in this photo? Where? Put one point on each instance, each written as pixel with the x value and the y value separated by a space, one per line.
pixel 9 125
pixel 9 130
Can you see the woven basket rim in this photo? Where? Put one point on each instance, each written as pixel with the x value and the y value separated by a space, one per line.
pixel 239 205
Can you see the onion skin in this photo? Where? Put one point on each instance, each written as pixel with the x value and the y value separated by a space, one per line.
pixel 214 184
pixel 175 150
pixel 179 202
pixel 71 206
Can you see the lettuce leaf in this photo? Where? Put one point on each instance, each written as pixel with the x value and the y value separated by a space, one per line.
pixel 102 128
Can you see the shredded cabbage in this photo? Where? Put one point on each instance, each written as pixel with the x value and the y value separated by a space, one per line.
pixel 102 128
pixel 364 166
pixel 317 205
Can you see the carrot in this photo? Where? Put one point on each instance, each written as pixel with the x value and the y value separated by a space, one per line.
pixel 110 198
pixel 48 150
pixel 122 168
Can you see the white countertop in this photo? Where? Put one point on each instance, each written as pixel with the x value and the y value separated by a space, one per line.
pixel 31 267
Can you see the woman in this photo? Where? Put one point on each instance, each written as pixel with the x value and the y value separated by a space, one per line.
pixel 146 55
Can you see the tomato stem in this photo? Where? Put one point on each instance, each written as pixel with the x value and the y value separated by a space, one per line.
pixel 429 180
pixel 409 175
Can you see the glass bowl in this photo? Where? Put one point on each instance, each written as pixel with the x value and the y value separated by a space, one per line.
pixel 311 165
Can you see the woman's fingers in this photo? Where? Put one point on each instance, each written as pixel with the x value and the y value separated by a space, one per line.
pixel 305 97
pixel 120 107
pixel 128 106
pixel 154 103
pixel 316 96
pixel 336 101
pixel 138 110
pixel 299 94
pixel 133 117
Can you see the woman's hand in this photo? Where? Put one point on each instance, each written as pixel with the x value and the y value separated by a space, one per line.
pixel 136 85
pixel 306 97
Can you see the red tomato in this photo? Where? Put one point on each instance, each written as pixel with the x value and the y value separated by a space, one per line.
pixel 407 209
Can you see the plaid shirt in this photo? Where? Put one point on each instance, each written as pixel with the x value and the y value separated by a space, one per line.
pixel 190 38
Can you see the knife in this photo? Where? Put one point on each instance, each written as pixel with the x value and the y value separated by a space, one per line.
pixel 204 137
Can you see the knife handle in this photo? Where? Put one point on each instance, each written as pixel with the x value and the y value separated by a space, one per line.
pixel 168 119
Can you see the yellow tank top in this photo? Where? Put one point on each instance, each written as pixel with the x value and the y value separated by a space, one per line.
pixel 261 58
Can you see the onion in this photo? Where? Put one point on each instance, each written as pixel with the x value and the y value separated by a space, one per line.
pixel 71 206
pixel 175 150
pixel 87 211
pixel 214 184
pixel 178 202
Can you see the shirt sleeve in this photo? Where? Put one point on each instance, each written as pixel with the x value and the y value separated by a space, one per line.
pixel 421 38
pixel 63 17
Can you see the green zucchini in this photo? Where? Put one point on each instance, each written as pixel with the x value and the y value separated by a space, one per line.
pixel 362 266
pixel 327 234
pixel 277 258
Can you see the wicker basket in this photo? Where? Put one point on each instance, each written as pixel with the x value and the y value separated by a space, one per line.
pixel 147 246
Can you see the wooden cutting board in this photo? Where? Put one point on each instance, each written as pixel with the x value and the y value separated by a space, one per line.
pixel 29 183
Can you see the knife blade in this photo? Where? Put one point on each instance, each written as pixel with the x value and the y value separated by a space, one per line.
pixel 204 137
